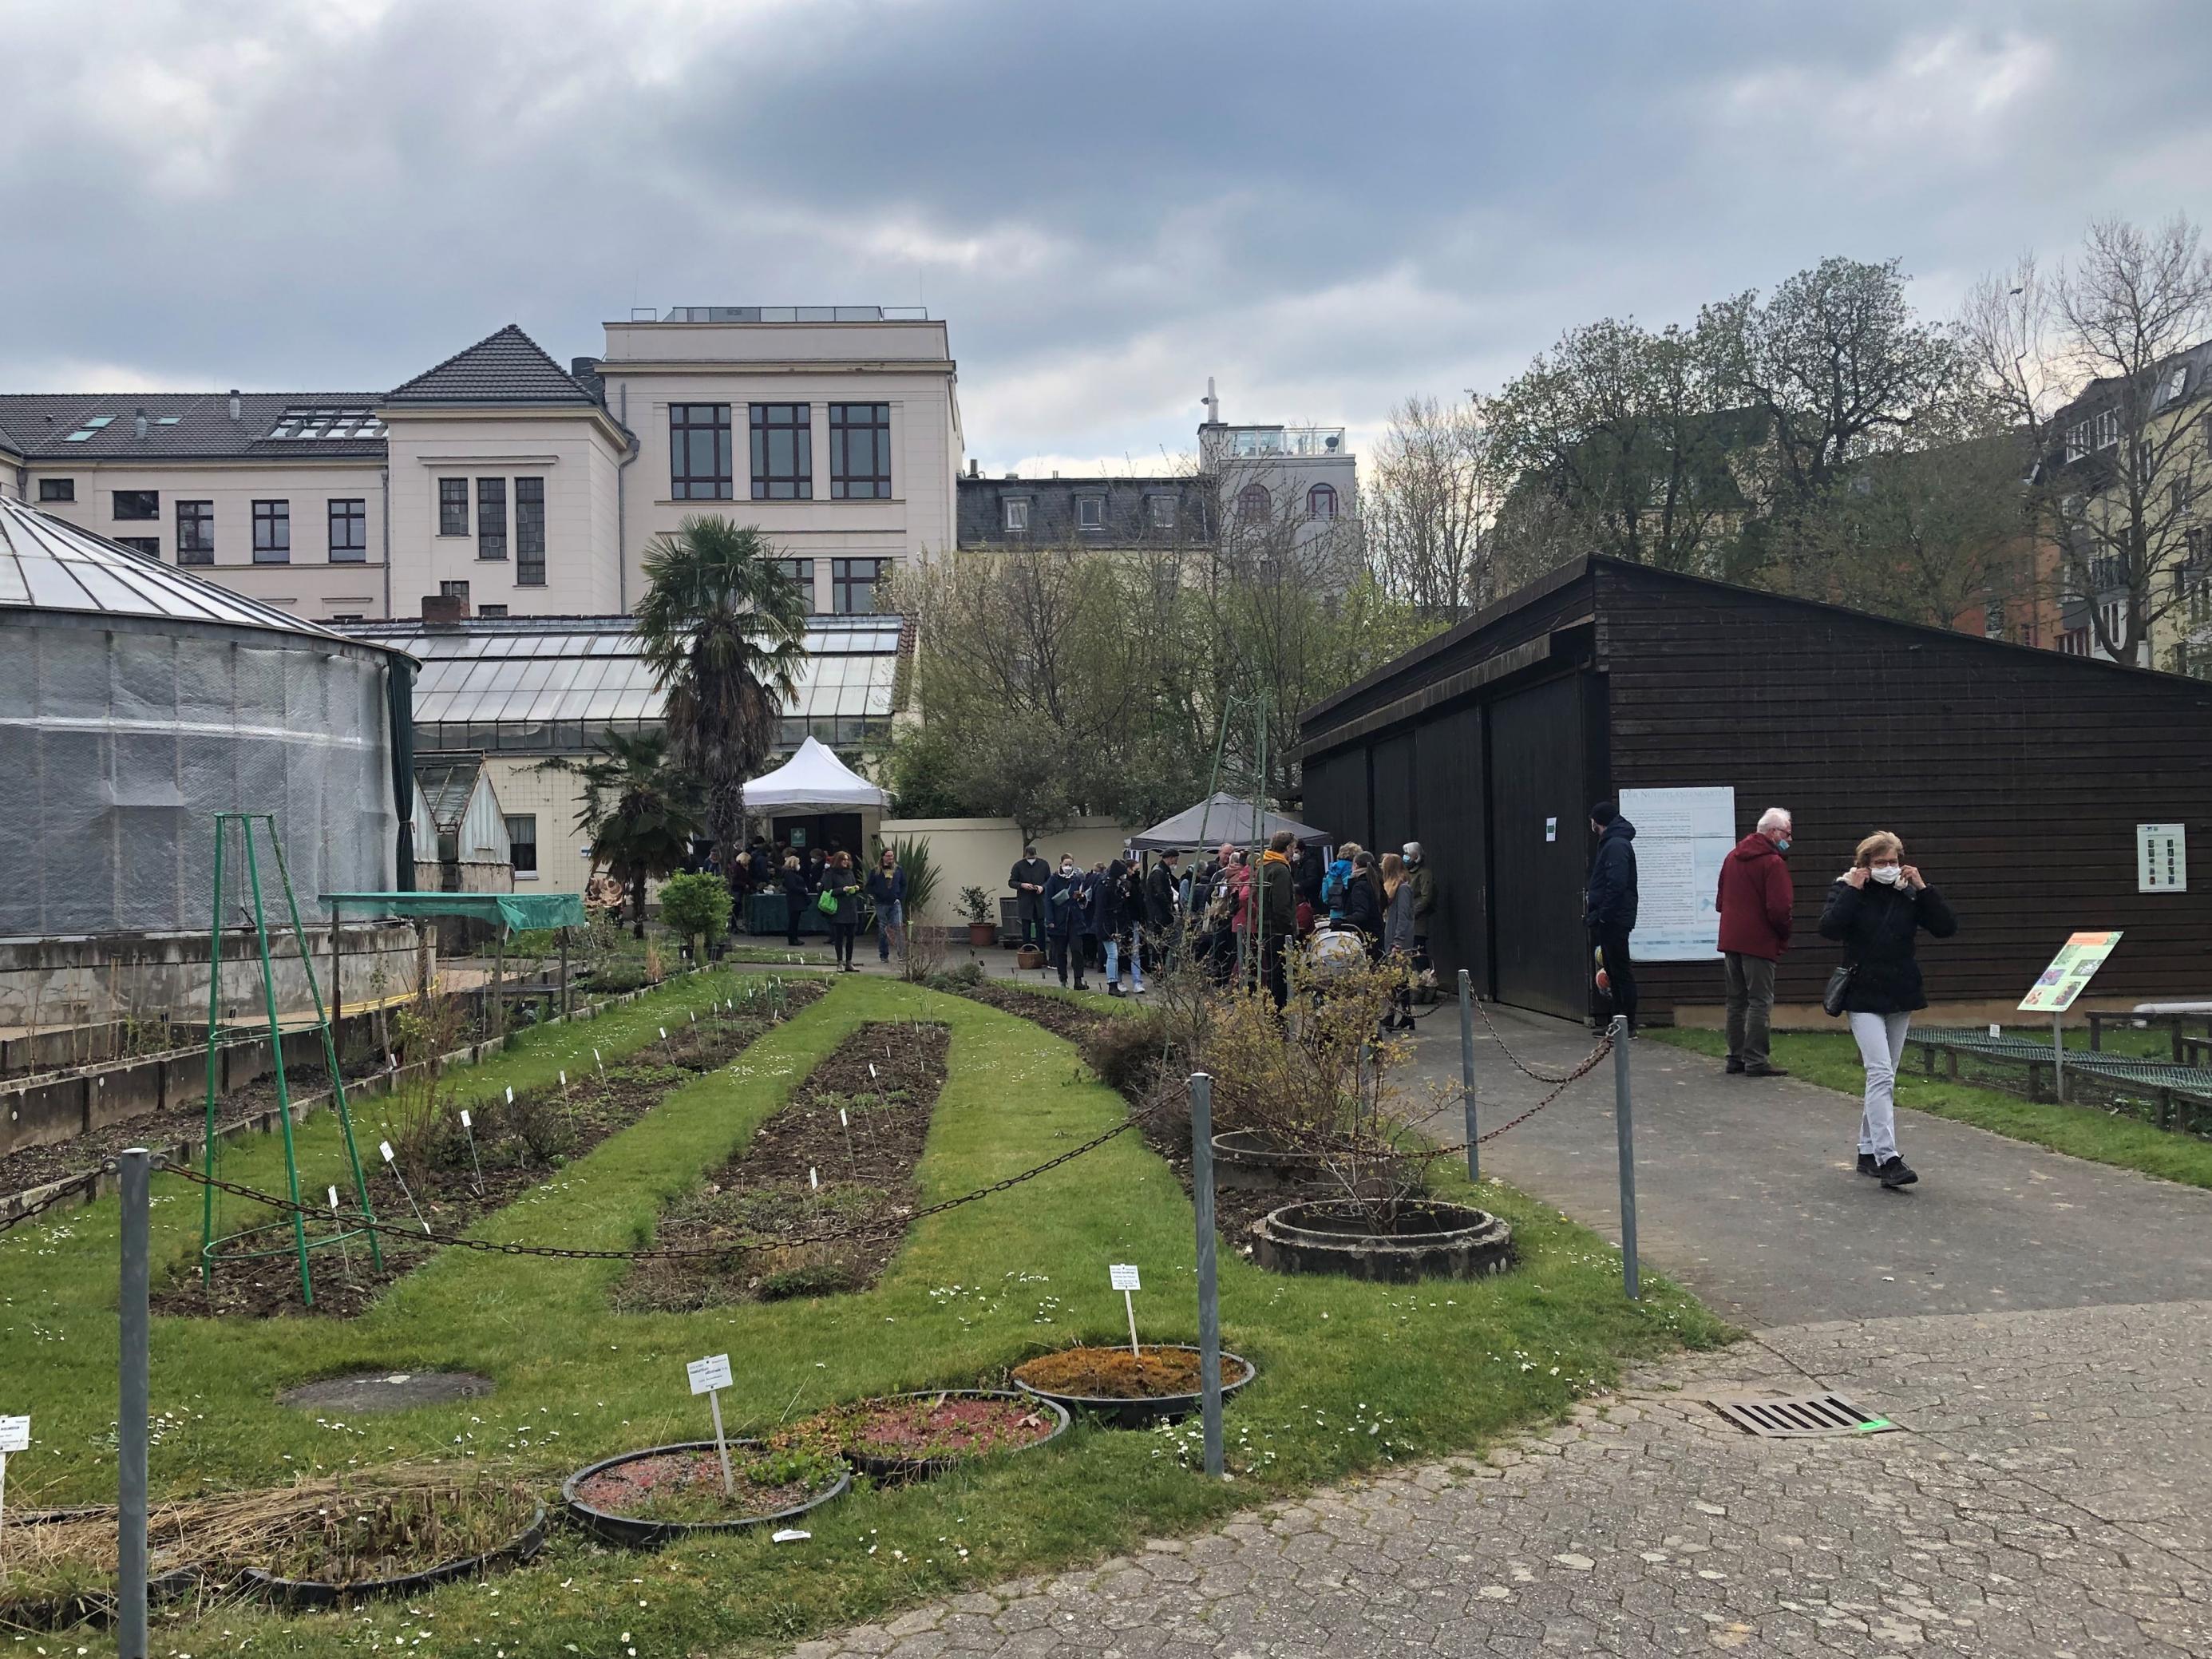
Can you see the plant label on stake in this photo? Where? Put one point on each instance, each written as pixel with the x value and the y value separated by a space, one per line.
pixel 15 1436
pixel 393 1164
pixel 846 1124
pixel 468 1130
pixel 1124 1276
pixel 602 1065
pixel 338 1226
pixel 710 1376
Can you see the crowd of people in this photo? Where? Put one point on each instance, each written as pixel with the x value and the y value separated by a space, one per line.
pixel 827 880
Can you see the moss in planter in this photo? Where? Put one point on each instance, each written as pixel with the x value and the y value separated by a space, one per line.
pixel 1117 1374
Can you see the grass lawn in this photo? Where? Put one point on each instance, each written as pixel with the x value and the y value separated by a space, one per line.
pixel 1832 1059
pixel 1351 1375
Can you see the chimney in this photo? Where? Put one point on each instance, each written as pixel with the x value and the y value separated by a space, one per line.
pixel 584 371
pixel 237 404
pixel 1012 476
pixel 450 608
pixel 975 468
pixel 138 424
pixel 1055 472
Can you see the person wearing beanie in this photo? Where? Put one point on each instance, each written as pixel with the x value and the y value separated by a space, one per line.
pixel 1609 904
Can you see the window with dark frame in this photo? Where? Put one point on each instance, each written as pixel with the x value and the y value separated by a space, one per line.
pixel 1320 501
pixel 348 531
pixel 699 452
pixel 272 532
pixel 801 572
pixel 453 506
pixel 860 451
pixel 522 842
pixel 530 533
pixel 137 504
pixel 853 586
pixel 151 546
pixel 195 533
pixel 1018 515
pixel 1253 503
pixel 491 610
pixel 58 490
pixel 1163 512
pixel 454 590
pixel 1090 513
pixel 783 452
pixel 491 518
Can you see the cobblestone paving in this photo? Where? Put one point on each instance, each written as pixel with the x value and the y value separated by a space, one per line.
pixel 2049 1493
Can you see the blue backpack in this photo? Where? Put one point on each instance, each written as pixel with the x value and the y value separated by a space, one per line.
pixel 1334 883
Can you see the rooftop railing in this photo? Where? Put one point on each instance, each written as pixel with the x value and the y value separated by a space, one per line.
pixel 784 314
pixel 1264 440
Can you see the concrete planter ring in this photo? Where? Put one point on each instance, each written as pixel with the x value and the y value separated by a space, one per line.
pixel 1427 1238
pixel 1250 1160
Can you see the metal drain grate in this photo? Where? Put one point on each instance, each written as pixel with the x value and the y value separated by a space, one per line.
pixel 1796 1416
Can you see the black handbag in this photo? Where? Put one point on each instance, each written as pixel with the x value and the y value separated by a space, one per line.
pixel 1840 987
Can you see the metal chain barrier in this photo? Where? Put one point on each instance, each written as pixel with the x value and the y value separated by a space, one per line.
pixel 1590 1065
pixel 1605 1047
pixel 66 1189
pixel 672 1253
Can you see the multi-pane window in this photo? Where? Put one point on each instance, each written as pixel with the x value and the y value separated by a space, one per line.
pixel 491 518
pixel 348 531
pixel 1320 501
pixel 58 490
pixel 801 572
pixel 853 586
pixel 1018 515
pixel 147 546
pixel 491 610
pixel 1163 512
pixel 860 451
pixel 699 452
pixel 453 506
pixel 272 532
pixel 530 533
pixel 783 453
pixel 1090 513
pixel 450 590
pixel 137 503
pixel 1253 503
pixel 522 842
pixel 195 533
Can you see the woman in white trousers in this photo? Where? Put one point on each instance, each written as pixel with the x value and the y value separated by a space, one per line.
pixel 1877 909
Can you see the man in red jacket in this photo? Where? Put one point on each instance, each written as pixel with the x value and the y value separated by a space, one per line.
pixel 1755 901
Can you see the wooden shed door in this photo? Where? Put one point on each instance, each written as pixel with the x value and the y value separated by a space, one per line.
pixel 1539 841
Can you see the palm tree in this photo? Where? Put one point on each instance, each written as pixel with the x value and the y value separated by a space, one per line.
pixel 640 811
pixel 724 630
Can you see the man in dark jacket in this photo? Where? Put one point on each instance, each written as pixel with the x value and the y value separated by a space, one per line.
pixel 1278 917
pixel 1067 921
pixel 1160 905
pixel 1610 904
pixel 1423 881
pixel 1753 901
pixel 1027 879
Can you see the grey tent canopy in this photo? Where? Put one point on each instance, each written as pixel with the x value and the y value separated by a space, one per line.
pixel 1221 817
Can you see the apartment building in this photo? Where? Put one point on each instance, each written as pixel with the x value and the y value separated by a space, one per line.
pixel 503 480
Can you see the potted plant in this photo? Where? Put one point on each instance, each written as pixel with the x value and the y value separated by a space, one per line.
pixel 975 906
pixel 696 908
pixel 1157 1383
pixel 908 1437
pixel 664 1493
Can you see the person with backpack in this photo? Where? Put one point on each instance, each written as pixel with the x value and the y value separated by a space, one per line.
pixel 1876 910
pixel 1335 881
pixel 887 890
pixel 1609 904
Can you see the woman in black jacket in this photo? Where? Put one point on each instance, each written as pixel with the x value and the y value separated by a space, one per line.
pixel 1363 902
pixel 1877 909
pixel 796 898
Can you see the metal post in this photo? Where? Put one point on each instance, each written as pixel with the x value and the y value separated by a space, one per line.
pixel 498 1010
pixel 1209 1287
pixel 1627 1136
pixel 277 1055
pixel 1466 1072
pixel 136 1169
pixel 338 976
pixel 2058 1054
pixel 564 973
pixel 208 1142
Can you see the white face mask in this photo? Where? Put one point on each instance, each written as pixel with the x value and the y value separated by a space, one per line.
pixel 1066 869
pixel 1887 874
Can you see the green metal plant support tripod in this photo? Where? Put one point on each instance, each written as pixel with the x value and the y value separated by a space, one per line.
pixel 210 1246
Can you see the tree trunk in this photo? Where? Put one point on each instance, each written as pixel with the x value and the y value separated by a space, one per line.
pixel 637 904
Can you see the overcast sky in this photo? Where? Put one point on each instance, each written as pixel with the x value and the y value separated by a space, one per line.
pixel 1326 207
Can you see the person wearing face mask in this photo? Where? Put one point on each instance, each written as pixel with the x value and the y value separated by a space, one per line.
pixel 1067 925
pixel 1876 910
pixel 1753 901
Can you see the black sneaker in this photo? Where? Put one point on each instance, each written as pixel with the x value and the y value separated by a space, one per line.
pixel 1734 1067
pixel 1866 1164
pixel 1114 987
pixel 1896 1172
pixel 1765 1071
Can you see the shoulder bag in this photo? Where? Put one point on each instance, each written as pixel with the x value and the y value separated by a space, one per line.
pixel 1840 987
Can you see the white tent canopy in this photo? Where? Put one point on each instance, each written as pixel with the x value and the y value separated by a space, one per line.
pixel 1222 817
pixel 812 780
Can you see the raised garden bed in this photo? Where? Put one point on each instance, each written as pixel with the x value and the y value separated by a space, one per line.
pixel 910 1437
pixel 517 1147
pixel 1423 1238
pixel 885 1079
pixel 664 1493
pixel 1159 1383
pixel 365 1544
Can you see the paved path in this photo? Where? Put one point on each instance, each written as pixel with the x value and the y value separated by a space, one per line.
pixel 2027 1320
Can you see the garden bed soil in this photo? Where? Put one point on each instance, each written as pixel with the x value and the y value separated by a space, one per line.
pixel 517 1149
pixel 909 1436
pixel 674 1489
pixel 886 1078
pixel 1153 1372
pixel 1057 1015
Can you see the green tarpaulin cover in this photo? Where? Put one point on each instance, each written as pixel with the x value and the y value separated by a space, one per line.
pixel 516 912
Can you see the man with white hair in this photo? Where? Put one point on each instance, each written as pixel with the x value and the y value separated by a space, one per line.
pixel 1755 899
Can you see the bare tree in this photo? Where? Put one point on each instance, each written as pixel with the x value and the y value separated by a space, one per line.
pixel 1429 505
pixel 2098 364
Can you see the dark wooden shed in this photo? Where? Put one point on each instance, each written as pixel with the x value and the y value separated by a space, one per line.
pixel 2017 777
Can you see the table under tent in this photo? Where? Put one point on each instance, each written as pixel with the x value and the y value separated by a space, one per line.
pixel 813 799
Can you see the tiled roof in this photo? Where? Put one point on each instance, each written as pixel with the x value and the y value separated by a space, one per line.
pixel 1126 512
pixel 179 425
pixel 506 367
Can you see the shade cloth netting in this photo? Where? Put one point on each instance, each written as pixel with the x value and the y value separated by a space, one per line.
pixel 515 912
pixel 1218 818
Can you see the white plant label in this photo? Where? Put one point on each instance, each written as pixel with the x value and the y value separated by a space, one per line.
pixel 385 1146
pixel 466 1124
pixel 14 1434
pixel 709 1374
pixel 1997 1030
pixel 872 1071
pixel 510 1094
pixel 664 1034
pixel 789 1535
pixel 564 1079
pixel 814 1179
pixel 1124 1275
pixel 334 1200
pixel 842 1120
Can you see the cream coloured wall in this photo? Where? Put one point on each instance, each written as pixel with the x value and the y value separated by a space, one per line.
pixel 978 852
pixel 553 799
pixel 575 451
pixel 307 584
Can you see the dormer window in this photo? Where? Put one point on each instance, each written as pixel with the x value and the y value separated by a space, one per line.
pixel 307 424
pixel 1018 515
pixel 1090 513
